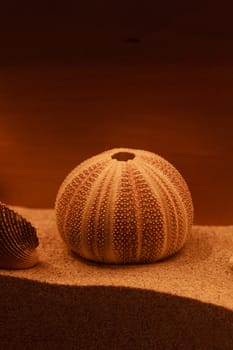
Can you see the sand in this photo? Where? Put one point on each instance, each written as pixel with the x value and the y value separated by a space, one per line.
pixel 183 302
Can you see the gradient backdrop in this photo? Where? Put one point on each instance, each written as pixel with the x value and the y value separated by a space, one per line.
pixel 77 79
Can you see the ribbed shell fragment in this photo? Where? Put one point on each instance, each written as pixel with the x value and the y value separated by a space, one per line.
pixel 18 240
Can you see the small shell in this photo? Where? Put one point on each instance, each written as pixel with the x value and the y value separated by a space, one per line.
pixel 124 206
pixel 18 240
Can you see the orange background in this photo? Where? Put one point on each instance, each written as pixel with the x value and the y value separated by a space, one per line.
pixel 78 80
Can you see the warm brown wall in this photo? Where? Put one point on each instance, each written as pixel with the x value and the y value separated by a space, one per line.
pixel 72 84
pixel 81 31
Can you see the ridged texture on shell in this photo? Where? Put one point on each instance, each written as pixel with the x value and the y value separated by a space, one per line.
pixel 18 240
pixel 113 210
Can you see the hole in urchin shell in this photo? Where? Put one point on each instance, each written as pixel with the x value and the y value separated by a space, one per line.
pixel 123 156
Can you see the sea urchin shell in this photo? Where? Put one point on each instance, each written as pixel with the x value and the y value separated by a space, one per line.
pixel 124 206
pixel 18 240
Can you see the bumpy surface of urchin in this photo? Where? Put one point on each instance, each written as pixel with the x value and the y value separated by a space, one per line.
pixel 124 206
pixel 18 240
